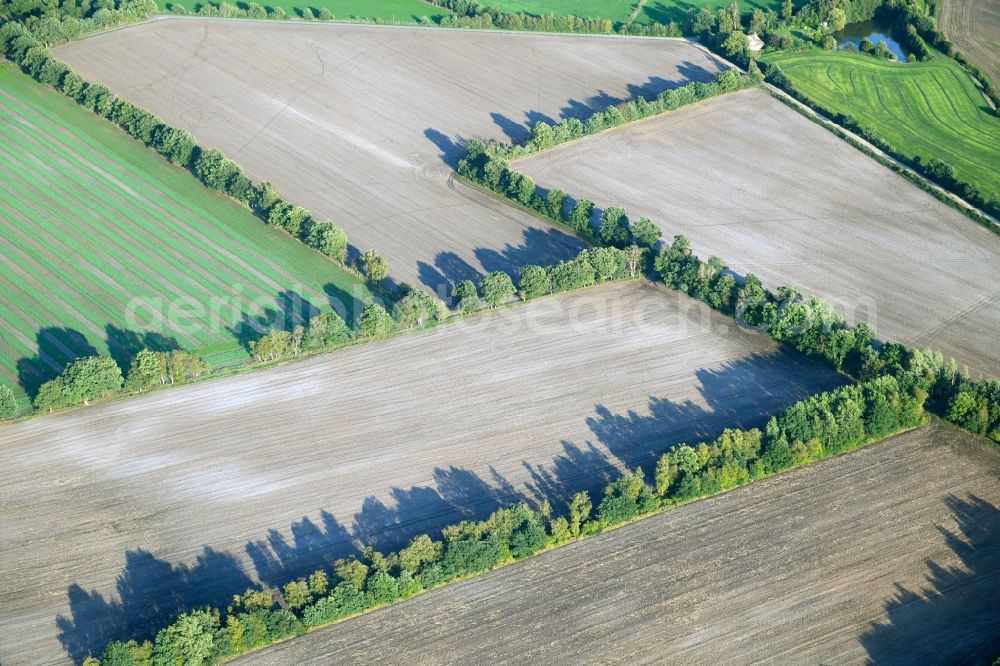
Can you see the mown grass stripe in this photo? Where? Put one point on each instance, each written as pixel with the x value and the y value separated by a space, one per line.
pixel 47 267
pixel 86 205
pixel 70 142
pixel 129 211
pixel 927 109
pixel 99 261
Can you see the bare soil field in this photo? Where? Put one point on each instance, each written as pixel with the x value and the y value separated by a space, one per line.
pixel 974 27
pixel 113 517
pixel 750 180
pixel 885 556
pixel 363 124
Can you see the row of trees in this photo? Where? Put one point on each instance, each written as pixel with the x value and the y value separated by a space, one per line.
pixel 52 22
pixel 591 266
pixel 252 10
pixel 821 426
pixel 488 163
pixel 810 325
pixel 416 308
pixel 98 377
pixel 814 328
pixel 471 14
pixel 546 135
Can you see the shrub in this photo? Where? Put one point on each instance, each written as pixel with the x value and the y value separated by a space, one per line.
pixel 330 240
pixel 190 639
pixel 418 307
pixel 646 232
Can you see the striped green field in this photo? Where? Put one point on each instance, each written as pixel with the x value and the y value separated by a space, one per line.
pixel 614 10
pixel 927 109
pixel 387 10
pixel 651 11
pixel 664 11
pixel 106 246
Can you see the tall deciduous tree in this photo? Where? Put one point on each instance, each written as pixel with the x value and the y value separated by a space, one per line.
pixel 8 405
pixel 646 232
pixel 374 266
pixel 533 282
pixel 615 229
pixel 465 297
pixel 497 288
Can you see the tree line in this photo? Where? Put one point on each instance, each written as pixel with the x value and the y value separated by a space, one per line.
pixel 547 135
pixel 814 328
pixel 487 163
pixel 471 14
pixel 818 427
pixel 810 325
pixel 94 378
pixel 53 22
pixel 99 377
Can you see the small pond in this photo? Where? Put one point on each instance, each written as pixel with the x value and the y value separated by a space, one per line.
pixel 875 32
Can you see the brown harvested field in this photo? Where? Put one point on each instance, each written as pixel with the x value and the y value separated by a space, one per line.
pixel 113 516
pixel 974 27
pixel 886 556
pixel 750 180
pixel 362 124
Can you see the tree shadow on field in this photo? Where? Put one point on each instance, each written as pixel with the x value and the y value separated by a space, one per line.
pixel 448 270
pixel 124 344
pixel 664 12
pixel 539 245
pixel 516 130
pixel 149 592
pixel 956 618
pixel 57 348
pixel 738 394
pixel 452 150
pixel 385 524
pixel 278 560
pixel 346 304
pixel 292 310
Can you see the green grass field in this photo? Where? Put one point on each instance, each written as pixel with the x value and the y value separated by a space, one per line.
pixel 615 10
pixel 661 11
pixel 388 10
pixel 927 109
pixel 92 219
pixel 664 11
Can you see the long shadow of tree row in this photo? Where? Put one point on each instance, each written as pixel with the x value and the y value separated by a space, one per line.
pixel 150 590
pixel 517 130
pixel 956 618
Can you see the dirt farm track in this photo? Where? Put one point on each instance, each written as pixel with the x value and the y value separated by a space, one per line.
pixel 114 516
pixel 748 179
pixel 363 124
pixel 884 556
